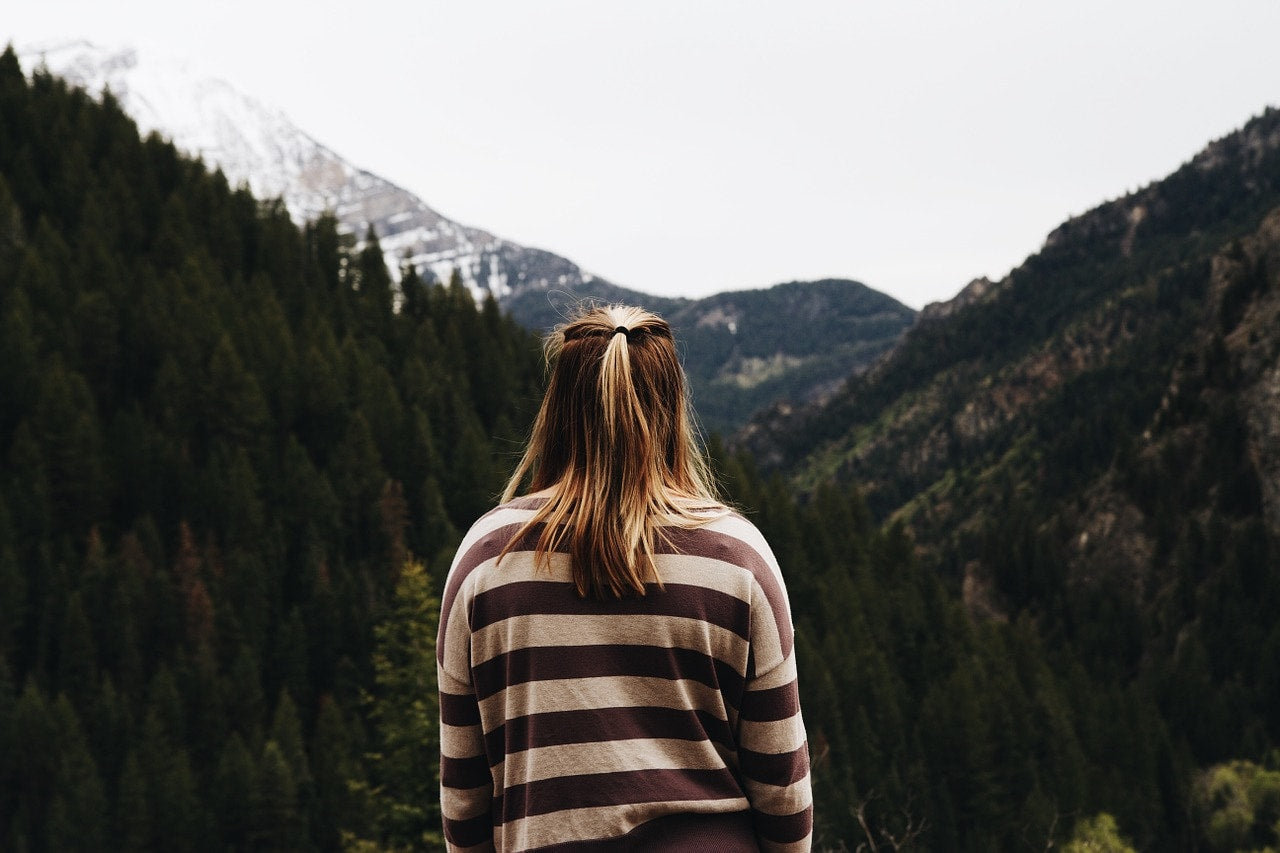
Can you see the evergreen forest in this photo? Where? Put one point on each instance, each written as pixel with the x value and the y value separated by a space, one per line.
pixel 235 459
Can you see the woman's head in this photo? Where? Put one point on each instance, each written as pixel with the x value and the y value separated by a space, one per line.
pixel 615 438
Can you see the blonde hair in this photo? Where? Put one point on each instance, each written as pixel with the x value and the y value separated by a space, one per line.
pixel 615 436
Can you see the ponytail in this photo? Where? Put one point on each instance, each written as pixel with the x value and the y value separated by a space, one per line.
pixel 615 437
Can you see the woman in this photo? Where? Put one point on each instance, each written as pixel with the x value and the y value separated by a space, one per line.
pixel 615 654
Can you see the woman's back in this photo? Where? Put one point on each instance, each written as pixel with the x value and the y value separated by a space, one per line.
pixel 615 655
pixel 661 720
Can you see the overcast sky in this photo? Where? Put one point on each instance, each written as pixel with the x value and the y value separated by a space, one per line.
pixel 691 147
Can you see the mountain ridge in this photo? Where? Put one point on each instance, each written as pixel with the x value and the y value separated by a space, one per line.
pixel 259 146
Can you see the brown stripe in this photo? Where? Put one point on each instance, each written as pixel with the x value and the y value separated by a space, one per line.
pixel 763 706
pixel 785 829
pixel 544 663
pixel 459 710
pixel 592 790
pixel 527 598
pixel 698 542
pixel 605 724
pixel 780 769
pixel 716 832
pixel 701 542
pixel 465 773
pixel 469 832
pixel 483 549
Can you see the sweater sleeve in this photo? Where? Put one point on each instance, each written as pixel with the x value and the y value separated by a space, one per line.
pixel 466 784
pixel 772 748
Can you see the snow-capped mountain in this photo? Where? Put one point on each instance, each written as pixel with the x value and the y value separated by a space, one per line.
pixel 257 145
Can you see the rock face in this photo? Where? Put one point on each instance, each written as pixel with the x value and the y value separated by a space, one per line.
pixel 974 291
pixel 1247 283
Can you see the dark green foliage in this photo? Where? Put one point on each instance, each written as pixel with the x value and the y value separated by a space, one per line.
pixel 931 729
pixel 78 812
pixel 1085 452
pixel 401 800
pixel 218 442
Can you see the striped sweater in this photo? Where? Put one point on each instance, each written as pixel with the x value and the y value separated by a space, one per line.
pixel 669 721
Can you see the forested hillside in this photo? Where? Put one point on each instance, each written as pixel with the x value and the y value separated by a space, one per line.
pixel 746 349
pixel 232 476
pixel 1091 448
pixel 218 447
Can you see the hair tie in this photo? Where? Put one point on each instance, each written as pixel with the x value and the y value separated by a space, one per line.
pixel 624 330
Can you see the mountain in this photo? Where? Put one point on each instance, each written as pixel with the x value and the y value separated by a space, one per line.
pixel 1131 283
pixel 1092 446
pixel 257 145
pixel 795 342
pixel 789 344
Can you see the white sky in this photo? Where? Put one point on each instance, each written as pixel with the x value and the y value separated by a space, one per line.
pixel 685 147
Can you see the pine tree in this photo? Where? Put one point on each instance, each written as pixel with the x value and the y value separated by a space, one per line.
pixel 337 772
pixel 374 288
pixel 13 596
pixel 232 406
pixel 65 419
pixel 286 732
pixel 402 796
pixel 19 352
pixel 131 818
pixel 357 475
pixel 77 656
pixel 8 745
pixel 413 289
pixel 177 817
pixel 291 660
pixel 233 781
pixel 78 811
pixel 276 822
pixel 246 707
pixel 35 755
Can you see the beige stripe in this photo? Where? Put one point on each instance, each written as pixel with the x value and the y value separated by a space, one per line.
pixel 549 762
pixel 783 673
pixel 456 636
pixel 774 737
pixel 691 569
pixel 484 526
pixel 766 639
pixel 774 800
pixel 519 566
pixel 624 691
pixel 708 572
pixel 546 630
pixel 746 532
pixel 451 684
pixel 726 758
pixel 458 804
pixel 461 741
pixel 584 824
